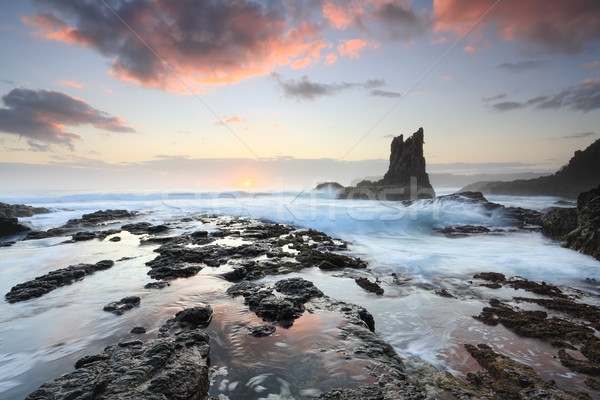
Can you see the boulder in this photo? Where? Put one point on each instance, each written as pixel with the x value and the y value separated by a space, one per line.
pixel 20 210
pixel 54 279
pixel 586 237
pixel 10 226
pixel 559 222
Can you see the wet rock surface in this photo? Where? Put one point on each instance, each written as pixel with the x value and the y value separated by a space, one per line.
pixel 55 279
pixel 10 226
pixel 559 222
pixel 20 210
pixel 369 286
pixel 91 220
pixel 567 324
pixel 586 236
pixel 174 366
pixel 123 305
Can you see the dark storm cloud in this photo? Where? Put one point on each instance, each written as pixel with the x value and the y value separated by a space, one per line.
pixel 43 115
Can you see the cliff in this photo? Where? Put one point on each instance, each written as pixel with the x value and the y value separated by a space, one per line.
pixel 406 178
pixel 582 173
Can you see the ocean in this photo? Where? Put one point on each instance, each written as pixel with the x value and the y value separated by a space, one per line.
pixel 41 339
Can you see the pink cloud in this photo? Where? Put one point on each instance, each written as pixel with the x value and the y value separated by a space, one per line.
pixel 230 120
pixel 331 58
pixel 352 47
pixel 72 84
pixel 591 65
pixel 549 25
pixel 469 49
pixel 341 16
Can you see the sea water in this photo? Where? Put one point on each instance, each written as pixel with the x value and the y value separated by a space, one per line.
pixel 40 339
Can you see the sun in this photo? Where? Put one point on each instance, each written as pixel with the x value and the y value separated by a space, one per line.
pixel 247 183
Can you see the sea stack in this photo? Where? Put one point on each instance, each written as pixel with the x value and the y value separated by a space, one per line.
pixel 406 178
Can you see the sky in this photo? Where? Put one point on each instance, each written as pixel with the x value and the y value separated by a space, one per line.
pixel 163 94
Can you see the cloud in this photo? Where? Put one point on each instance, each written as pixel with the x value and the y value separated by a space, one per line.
pixel 305 89
pixel 469 49
pixel 583 97
pixel 385 93
pixel 591 65
pixel 400 20
pixel 508 105
pixel 387 19
pixel 72 84
pixel 43 115
pixel 521 65
pixel 579 135
pixel 494 97
pixel 230 120
pixel 555 26
pixel 203 42
pixel 351 48
pixel 7 81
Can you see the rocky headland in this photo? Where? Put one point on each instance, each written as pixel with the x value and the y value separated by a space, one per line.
pixel 406 178
pixel 581 174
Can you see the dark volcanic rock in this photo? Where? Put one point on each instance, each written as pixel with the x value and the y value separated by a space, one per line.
pixel 157 285
pixel 329 261
pixel 190 318
pixel 174 366
pixel 261 330
pixel 138 330
pixel 282 309
pixel 125 304
pixel 298 288
pixel 95 219
pixel 10 226
pixel 558 222
pixel 54 279
pixel 490 276
pixel 142 228
pixel 101 216
pixel 586 237
pixel 508 379
pixel 90 235
pixel 20 210
pixel 582 173
pixel 464 230
pixel 406 178
pixel 369 286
